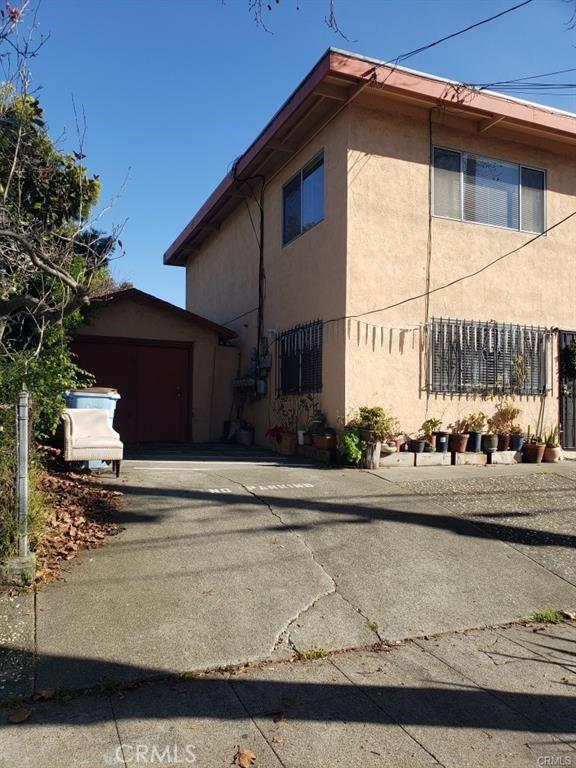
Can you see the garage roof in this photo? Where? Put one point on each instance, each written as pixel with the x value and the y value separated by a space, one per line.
pixel 165 306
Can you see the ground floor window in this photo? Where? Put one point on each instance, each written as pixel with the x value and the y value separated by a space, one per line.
pixel 468 357
pixel 299 360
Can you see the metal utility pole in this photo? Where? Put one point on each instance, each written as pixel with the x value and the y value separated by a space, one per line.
pixel 23 460
pixel 22 568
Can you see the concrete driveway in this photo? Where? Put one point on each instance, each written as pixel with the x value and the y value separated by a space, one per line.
pixel 232 556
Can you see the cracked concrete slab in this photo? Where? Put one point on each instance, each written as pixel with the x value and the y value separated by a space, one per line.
pixel 404 706
pixel 219 559
pixel 330 624
pixel 192 583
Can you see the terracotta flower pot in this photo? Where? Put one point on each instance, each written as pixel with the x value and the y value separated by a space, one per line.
pixel 552 454
pixel 431 439
pixel 288 443
pixel 458 442
pixel 533 452
pixel 324 442
pixel 504 442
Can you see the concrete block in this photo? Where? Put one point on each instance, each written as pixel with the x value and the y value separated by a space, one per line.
pixel 432 459
pixel 478 459
pixel 506 457
pixel 19 570
pixel 398 459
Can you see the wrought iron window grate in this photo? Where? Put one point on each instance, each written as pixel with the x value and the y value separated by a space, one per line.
pixel 299 360
pixel 468 357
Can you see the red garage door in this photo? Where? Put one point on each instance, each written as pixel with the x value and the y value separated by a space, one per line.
pixel 154 381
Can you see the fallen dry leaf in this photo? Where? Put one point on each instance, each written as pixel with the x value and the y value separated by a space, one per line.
pixel 19 715
pixel 278 740
pixel 570 615
pixel 244 758
pixel 47 693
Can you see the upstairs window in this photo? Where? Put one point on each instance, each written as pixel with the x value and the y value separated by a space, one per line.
pixel 303 200
pixel 486 191
pixel 300 360
pixel 472 358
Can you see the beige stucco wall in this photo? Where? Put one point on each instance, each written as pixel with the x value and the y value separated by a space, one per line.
pixel 388 246
pixel 214 366
pixel 372 250
pixel 305 280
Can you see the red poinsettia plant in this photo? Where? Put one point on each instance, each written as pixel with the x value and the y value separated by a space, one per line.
pixel 275 433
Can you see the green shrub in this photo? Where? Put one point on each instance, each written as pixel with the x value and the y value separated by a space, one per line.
pixel 375 419
pixel 350 446
pixel 47 376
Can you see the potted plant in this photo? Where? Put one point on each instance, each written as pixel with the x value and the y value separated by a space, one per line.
pixel 430 431
pixel 324 441
pixel 245 434
pixel 308 412
pixel 533 448
pixel 475 425
pixel 287 415
pixel 458 440
pixel 552 451
pixel 374 425
pixel 418 443
pixel 503 420
pixel 516 437
pixel 350 445
pixel 490 438
pixel 275 434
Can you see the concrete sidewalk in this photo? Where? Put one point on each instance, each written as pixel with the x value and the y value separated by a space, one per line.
pixel 495 697
pixel 243 557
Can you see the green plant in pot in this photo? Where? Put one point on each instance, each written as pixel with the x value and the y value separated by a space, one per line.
pixel 552 451
pixel 351 446
pixel 475 425
pixel 375 426
pixel 533 449
pixel 434 436
pixel 287 413
pixel 503 421
pixel 308 414
pixel 458 440
pixel 516 437
pixel 490 438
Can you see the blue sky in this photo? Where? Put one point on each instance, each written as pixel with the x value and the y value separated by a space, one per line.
pixel 174 91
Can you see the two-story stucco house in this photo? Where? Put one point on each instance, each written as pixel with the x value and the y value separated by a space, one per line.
pixel 395 239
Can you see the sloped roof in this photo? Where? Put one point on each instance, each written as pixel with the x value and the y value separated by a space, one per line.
pixel 336 79
pixel 164 306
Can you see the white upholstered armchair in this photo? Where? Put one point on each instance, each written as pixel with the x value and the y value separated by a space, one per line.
pixel 88 436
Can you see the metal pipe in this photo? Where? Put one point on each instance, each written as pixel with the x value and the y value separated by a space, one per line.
pixel 23 437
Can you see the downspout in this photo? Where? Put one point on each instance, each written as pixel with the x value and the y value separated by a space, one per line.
pixel 261 271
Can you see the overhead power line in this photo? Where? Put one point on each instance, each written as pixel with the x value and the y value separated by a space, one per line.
pixel 409 54
pixel 458 279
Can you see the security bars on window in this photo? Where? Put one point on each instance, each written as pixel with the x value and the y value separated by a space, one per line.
pixel 468 357
pixel 299 360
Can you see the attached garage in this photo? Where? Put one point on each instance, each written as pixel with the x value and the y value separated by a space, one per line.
pixel 172 368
